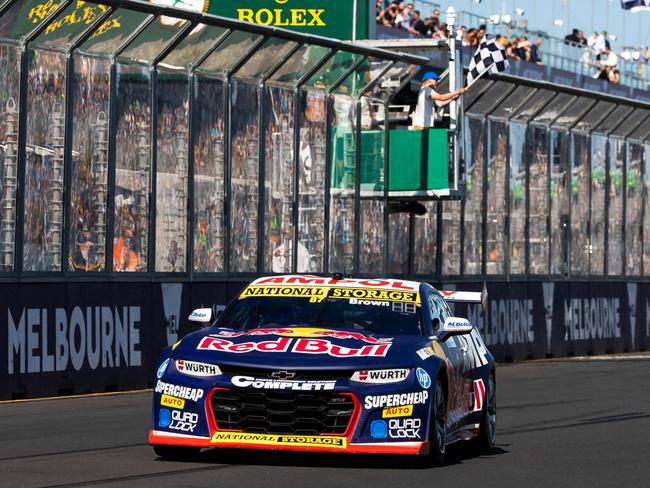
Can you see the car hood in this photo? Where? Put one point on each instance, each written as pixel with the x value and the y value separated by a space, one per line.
pixel 299 348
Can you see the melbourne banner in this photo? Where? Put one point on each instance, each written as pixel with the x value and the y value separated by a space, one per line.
pixel 92 337
pixel 556 319
pixel 95 337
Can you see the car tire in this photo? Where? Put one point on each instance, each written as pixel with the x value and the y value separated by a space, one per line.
pixel 438 437
pixel 486 439
pixel 176 453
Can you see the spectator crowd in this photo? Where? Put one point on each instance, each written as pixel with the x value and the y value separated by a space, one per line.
pixel 402 15
pixel 596 50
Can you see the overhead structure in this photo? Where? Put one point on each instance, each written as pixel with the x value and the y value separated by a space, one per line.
pixel 143 138
pixel 145 141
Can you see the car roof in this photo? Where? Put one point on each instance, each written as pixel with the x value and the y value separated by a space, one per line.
pixel 312 280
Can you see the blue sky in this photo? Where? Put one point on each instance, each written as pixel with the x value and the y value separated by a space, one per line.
pixel 586 15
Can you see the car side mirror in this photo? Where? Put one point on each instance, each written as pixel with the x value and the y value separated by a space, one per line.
pixel 201 316
pixel 454 326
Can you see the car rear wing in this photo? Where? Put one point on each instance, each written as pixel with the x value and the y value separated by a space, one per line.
pixel 466 296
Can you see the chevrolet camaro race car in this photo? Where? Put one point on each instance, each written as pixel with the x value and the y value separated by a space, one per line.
pixel 328 364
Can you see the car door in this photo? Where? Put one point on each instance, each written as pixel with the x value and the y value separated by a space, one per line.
pixel 472 391
pixel 439 311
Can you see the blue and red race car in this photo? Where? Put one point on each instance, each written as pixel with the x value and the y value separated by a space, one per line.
pixel 325 364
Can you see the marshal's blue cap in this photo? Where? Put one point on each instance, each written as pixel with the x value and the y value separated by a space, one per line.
pixel 430 75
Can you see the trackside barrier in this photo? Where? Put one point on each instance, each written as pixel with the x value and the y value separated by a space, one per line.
pixel 94 337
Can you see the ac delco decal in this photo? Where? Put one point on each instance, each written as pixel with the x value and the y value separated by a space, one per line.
pixel 298 346
pixel 185 392
pixel 396 400
pixel 303 332
pixel 278 440
pixel 193 368
pixel 269 384
pixel 380 376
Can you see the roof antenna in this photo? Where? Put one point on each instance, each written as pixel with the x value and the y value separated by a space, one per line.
pixel 338 276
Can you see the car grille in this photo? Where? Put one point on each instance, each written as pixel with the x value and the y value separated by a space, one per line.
pixel 279 412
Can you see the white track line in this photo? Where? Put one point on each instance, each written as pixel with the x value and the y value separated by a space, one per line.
pixel 87 395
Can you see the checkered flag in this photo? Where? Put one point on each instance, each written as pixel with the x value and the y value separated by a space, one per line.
pixel 488 57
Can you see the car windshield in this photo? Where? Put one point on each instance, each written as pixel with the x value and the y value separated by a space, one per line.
pixel 381 312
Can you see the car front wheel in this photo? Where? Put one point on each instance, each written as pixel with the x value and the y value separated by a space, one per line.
pixel 488 431
pixel 438 441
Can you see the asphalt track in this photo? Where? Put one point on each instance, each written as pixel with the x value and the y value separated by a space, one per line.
pixel 561 423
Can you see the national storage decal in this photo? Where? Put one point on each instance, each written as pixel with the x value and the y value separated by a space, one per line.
pixel 279 440
pixel 317 294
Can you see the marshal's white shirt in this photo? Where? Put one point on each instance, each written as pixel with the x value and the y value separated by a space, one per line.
pixel 425 112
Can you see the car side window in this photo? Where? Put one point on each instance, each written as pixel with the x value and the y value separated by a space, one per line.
pixel 442 307
pixel 437 309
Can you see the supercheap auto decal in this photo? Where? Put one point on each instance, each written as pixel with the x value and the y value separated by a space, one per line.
pixel 395 400
pixel 176 391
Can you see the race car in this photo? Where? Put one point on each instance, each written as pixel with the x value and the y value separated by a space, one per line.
pixel 328 364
